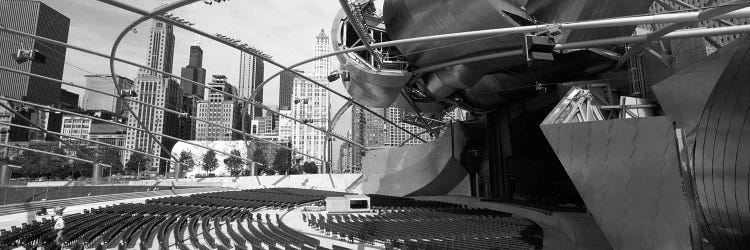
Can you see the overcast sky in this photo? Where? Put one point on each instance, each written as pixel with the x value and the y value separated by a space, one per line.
pixel 284 29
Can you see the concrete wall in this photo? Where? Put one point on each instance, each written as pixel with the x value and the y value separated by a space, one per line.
pixel 336 182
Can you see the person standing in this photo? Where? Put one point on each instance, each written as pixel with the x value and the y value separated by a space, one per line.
pixel 59 225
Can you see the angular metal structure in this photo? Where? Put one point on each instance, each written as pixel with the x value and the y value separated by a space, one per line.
pixel 627 172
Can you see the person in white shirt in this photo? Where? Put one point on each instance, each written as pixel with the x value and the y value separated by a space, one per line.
pixel 59 224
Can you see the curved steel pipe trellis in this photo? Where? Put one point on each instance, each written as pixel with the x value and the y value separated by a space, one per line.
pixel 153 106
pixel 121 125
pixel 254 53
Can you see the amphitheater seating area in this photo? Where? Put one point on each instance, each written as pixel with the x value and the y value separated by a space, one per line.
pixel 251 219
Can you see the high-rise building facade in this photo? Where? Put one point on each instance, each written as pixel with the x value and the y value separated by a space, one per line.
pixel 97 101
pixel 286 87
pixel 285 126
pixel 396 137
pixel 33 17
pixel 193 71
pixel 251 75
pixel 160 49
pixel 219 109
pixel 367 130
pixel 158 90
pixel 310 103
pixel 191 93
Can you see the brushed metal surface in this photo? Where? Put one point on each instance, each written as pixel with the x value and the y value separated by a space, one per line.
pixel 550 11
pixel 627 172
pixel 722 155
pixel 427 169
pixel 370 87
pixel 683 95
pixel 415 18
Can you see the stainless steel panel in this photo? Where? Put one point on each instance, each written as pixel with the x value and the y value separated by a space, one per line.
pixel 627 173
pixel 415 18
pixel 427 169
pixel 722 161
pixel 550 11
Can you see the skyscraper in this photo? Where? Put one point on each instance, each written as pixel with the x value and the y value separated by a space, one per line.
pixel 157 90
pixel 286 87
pixel 251 75
pixel 191 92
pixel 395 136
pixel 367 130
pixel 193 71
pixel 219 109
pixel 310 104
pixel 33 17
pixel 98 101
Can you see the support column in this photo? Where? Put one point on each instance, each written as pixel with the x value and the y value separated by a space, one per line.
pixel 252 169
pixel 178 171
pixel 5 173
pixel 96 173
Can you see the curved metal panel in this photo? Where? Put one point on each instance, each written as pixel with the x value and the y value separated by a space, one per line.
pixel 551 11
pixel 722 161
pixel 415 18
pixel 370 87
pixel 627 172
pixel 683 95
pixel 427 169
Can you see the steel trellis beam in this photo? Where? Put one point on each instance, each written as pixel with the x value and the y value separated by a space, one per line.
pixel 121 125
pixel 604 23
pixel 677 17
pixel 252 52
pixel 162 72
pixel 702 15
pixel 150 105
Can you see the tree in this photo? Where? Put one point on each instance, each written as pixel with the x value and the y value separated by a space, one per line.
pixel 234 163
pixel 112 157
pixel 282 161
pixel 259 157
pixel 210 163
pixel 137 163
pixel 310 168
pixel 186 158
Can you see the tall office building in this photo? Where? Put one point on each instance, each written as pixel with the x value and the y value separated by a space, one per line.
pixel 33 17
pixel 310 103
pixel 193 71
pixel 97 101
pixel 396 137
pixel 251 75
pixel 286 87
pixel 367 130
pixel 157 90
pixel 219 109
pixel 191 92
